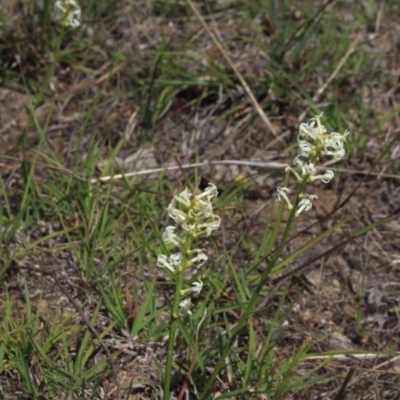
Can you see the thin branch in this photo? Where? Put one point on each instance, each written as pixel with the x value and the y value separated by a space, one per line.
pixel 254 164
pixel 333 75
pixel 225 54
pixel 340 394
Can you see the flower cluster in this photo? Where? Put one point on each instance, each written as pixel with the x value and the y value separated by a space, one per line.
pixel 196 219
pixel 314 142
pixel 68 13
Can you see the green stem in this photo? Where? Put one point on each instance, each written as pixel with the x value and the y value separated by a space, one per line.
pixel 251 304
pixel 275 232
pixel 174 318
pixel 50 72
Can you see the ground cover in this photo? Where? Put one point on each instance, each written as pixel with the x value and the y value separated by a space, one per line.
pixel 102 124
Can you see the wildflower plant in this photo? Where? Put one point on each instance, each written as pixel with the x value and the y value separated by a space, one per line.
pixel 314 142
pixel 193 216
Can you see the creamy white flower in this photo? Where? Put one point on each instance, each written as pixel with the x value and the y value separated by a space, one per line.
pixel 337 154
pixel 210 192
pixel 314 141
pixel 326 178
pixel 201 257
pixel 332 143
pixel 199 218
pixel 184 198
pixel 190 228
pixel 185 305
pixel 170 237
pixel 68 13
pixel 176 261
pixel 173 262
pixel 295 173
pixel 297 160
pixel 201 209
pixel 321 128
pixel 308 129
pixel 308 169
pixel 208 226
pixel 304 205
pixel 339 136
pixel 179 216
pixel 304 148
pixel 282 194
pixel 195 216
pixel 195 289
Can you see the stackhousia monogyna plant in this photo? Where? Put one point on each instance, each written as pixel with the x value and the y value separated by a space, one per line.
pixel 194 218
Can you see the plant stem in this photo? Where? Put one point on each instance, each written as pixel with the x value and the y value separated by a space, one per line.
pixel 174 319
pixel 251 304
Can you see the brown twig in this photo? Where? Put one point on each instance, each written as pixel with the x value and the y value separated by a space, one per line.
pixel 247 163
pixel 393 216
pixel 225 54
pixel 340 394
pixel 332 76
pixel 90 83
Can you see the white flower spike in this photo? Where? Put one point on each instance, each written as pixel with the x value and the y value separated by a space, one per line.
pixel 194 215
pixel 314 142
